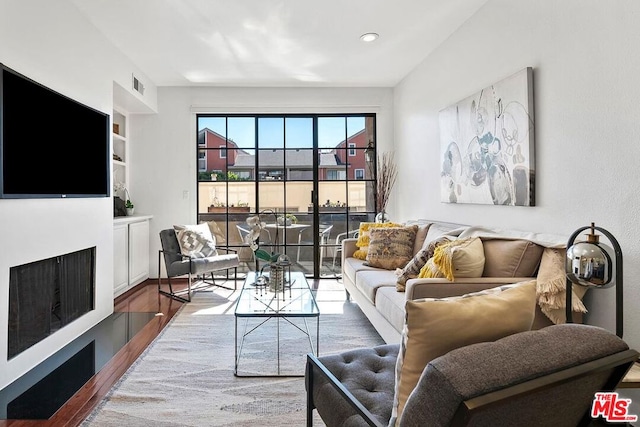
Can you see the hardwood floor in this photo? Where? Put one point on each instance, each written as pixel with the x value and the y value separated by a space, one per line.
pixel 143 298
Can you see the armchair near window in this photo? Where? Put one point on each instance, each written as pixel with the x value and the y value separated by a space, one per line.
pixel 179 264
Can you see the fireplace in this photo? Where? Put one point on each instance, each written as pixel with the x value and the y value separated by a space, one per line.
pixel 46 295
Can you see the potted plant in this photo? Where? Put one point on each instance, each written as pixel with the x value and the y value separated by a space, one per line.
pixel 287 219
pixel 129 207
pixel 276 261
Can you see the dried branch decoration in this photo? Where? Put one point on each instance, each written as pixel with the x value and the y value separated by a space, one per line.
pixel 386 179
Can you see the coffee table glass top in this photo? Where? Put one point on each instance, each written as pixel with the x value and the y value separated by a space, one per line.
pixel 295 300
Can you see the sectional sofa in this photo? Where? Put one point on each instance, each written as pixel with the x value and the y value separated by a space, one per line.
pixel 511 256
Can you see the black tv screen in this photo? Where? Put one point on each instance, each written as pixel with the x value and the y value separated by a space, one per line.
pixel 50 145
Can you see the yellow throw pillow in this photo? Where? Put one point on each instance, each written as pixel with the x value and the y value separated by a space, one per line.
pixel 434 327
pixel 360 254
pixel 430 271
pixel 391 247
pixel 363 237
pixel 458 258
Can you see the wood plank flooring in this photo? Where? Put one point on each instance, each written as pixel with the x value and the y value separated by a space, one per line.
pixel 143 298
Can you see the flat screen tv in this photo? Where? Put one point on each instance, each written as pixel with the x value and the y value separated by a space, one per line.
pixel 50 145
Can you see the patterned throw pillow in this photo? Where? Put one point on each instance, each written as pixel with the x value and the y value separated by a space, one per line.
pixel 435 326
pixel 458 258
pixel 195 240
pixel 363 237
pixel 391 247
pixel 412 269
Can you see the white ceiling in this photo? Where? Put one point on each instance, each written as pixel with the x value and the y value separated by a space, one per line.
pixel 276 42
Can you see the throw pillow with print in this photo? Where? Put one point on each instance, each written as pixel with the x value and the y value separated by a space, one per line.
pixel 413 267
pixel 391 247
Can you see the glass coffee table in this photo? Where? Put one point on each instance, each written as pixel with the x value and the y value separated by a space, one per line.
pixel 258 306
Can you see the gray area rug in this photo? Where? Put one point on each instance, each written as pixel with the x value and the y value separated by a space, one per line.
pixel 185 377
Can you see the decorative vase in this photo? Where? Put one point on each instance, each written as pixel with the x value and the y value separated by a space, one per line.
pixel 130 211
pixel 276 278
pixel 382 217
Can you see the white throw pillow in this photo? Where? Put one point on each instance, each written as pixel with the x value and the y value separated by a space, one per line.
pixel 195 240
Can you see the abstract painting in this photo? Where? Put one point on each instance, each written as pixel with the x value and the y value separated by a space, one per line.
pixel 487 145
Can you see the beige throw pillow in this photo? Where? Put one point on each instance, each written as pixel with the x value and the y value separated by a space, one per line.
pixel 391 247
pixel 434 327
pixel 511 258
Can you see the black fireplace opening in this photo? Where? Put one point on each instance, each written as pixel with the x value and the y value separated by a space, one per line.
pixel 46 295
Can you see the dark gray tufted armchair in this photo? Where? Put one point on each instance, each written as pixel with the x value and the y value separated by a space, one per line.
pixel 546 377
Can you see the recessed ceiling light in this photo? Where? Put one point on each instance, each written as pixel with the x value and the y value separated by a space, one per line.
pixel 369 37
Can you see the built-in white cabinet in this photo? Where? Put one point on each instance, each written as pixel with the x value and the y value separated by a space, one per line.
pixel 120 258
pixel 130 252
pixel 138 252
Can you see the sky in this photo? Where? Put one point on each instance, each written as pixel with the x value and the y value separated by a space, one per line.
pixel 271 130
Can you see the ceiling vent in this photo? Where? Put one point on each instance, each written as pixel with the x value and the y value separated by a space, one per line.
pixel 138 86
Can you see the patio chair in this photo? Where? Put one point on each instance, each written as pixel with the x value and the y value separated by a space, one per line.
pixel 338 244
pixel 178 264
pixel 325 231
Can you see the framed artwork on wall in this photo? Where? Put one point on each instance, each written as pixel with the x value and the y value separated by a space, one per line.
pixel 487 145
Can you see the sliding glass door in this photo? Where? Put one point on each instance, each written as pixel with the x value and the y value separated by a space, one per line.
pixel 306 175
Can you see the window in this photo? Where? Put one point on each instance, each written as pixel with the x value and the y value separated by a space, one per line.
pixel 202 161
pixel 223 152
pixel 359 174
pixel 299 174
pixel 336 175
pixel 352 149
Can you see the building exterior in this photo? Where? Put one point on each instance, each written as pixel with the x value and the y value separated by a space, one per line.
pixel 344 162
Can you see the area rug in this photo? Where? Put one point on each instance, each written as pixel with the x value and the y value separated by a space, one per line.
pixel 185 377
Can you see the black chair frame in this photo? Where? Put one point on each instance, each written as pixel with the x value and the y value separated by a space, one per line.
pixel 202 282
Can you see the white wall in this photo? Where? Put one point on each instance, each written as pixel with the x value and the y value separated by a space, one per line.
pixel 163 147
pixel 586 92
pixel 53 44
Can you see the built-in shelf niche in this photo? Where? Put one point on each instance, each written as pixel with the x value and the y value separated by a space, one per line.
pixel 120 156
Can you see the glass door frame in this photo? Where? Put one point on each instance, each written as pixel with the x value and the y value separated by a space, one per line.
pixel 316 214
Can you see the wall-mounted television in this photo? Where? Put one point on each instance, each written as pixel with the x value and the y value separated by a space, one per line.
pixel 50 145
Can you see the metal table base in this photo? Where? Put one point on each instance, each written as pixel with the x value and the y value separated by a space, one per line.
pixel 296 301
